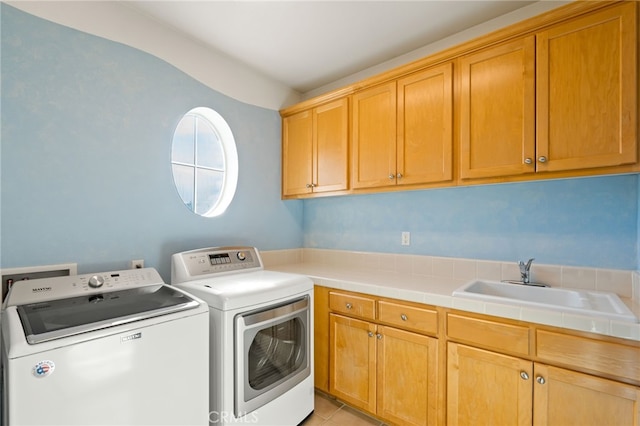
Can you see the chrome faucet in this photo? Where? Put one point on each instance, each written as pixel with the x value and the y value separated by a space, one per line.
pixel 525 270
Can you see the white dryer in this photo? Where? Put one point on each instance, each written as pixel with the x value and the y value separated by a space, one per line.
pixel 261 335
pixel 115 348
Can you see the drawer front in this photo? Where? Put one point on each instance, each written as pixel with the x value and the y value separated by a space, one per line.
pixel 408 317
pixel 349 304
pixel 581 352
pixel 507 338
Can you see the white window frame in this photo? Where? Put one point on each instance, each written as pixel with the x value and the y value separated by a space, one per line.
pixel 230 153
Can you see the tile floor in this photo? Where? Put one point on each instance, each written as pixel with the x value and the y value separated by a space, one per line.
pixel 329 412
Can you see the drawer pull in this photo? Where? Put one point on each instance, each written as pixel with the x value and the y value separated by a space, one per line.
pixel 403 317
pixel 349 306
pixel 524 375
pixel 541 380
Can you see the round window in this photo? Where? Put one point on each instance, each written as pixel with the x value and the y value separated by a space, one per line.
pixel 204 160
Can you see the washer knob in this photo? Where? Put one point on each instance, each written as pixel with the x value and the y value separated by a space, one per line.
pixel 96 281
pixel 241 255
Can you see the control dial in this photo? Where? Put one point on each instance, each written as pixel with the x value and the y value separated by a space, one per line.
pixel 241 255
pixel 96 281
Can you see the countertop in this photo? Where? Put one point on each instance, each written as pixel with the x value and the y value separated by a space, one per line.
pixel 437 291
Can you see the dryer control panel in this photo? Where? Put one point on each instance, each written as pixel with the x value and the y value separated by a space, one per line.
pixel 195 264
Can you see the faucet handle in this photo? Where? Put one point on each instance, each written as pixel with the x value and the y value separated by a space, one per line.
pixel 525 266
pixel 524 270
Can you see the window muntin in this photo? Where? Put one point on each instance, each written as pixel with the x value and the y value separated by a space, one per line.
pixel 204 162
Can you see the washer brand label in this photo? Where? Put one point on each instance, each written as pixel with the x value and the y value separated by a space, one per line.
pixel 131 337
pixel 43 369
pixel 40 289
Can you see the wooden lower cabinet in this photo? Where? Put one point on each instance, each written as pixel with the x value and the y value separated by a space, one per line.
pixel 386 371
pixel 488 388
pixel 564 397
pixel 352 361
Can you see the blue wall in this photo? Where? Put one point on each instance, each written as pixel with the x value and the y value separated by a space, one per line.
pixel 86 146
pixel 583 222
pixel 85 177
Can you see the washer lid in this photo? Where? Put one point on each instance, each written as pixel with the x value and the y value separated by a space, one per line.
pixel 59 318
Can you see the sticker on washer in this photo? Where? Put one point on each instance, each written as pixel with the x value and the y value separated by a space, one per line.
pixel 43 369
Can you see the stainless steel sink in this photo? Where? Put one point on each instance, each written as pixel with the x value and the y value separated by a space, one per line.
pixel 596 303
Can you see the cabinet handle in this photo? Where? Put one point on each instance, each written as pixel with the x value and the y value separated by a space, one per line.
pixel 349 306
pixel 391 176
pixel 379 336
pixel 541 380
pixel 524 375
pixel 528 161
pixel 309 185
pixel 542 159
pixel 403 317
pixel 399 175
pixel 370 334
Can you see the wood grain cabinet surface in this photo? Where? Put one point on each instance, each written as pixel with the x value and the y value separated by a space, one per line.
pixel 373 136
pixel 587 93
pixel 497 110
pixel 553 96
pixel 482 371
pixel 315 150
pixel 413 364
pixel 402 131
pixel 387 371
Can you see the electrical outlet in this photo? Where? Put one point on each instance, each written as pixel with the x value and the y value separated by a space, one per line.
pixel 137 264
pixel 406 238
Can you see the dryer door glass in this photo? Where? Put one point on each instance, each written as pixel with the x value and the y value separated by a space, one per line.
pixel 276 352
pixel 272 352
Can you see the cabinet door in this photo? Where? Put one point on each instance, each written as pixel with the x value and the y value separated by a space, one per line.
pixel 321 337
pixel 425 121
pixel 563 397
pixel 487 388
pixel 297 145
pixel 497 107
pixel 373 139
pixel 353 361
pixel 331 131
pixel 407 374
pixel 587 91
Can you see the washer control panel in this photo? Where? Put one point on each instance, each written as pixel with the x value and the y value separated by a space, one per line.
pixel 213 261
pixel 40 290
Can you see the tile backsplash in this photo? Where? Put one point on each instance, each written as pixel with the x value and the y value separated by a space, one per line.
pixel 622 282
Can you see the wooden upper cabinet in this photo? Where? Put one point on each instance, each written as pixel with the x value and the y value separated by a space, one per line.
pixel 587 91
pixel 373 139
pixel 554 96
pixel 315 149
pixel 331 147
pixel 425 122
pixel 297 148
pixel 497 110
pixel 402 131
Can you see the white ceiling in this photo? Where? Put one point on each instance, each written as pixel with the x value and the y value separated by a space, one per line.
pixel 307 44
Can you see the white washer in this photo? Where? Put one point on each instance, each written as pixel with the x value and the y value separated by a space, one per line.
pixel 115 348
pixel 261 335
